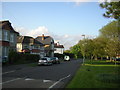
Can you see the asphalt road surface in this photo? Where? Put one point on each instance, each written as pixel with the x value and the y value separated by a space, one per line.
pixel 55 76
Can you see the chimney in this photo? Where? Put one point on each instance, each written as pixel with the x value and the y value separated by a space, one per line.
pixel 42 36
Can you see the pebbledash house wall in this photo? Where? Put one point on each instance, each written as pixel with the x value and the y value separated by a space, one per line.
pixel 59 50
pixel 7 42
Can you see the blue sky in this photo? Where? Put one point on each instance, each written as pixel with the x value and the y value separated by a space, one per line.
pixel 58 19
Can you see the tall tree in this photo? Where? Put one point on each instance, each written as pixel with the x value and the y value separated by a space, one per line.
pixel 76 50
pixel 86 47
pixel 99 44
pixel 110 32
pixel 112 9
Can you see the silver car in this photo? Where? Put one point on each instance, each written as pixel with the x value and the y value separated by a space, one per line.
pixel 45 61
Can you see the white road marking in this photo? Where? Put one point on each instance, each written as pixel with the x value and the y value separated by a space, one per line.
pixel 7 72
pixel 45 81
pixel 29 79
pixel 58 81
pixel 10 80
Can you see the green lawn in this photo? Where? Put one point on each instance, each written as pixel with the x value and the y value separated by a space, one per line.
pixel 99 74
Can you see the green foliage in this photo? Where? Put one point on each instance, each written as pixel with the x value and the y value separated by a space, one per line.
pixel 112 9
pixel 97 75
pixel 87 47
pixel 76 50
pixel 13 57
pixel 71 55
pixel 60 56
pixel 99 45
pixel 106 44
pixel 68 53
pixel 110 32
pixel 17 58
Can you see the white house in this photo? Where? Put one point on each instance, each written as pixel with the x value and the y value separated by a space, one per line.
pixel 58 48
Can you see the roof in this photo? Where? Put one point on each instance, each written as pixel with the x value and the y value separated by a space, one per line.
pixel 58 46
pixel 46 41
pixel 27 40
pixel 7 26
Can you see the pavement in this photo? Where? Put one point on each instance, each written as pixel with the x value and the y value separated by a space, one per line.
pixel 24 76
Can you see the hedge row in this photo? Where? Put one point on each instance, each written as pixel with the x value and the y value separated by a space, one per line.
pixel 15 57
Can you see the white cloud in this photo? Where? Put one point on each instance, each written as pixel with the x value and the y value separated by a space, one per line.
pixel 38 32
pixel 66 39
pixel 21 30
pixel 78 2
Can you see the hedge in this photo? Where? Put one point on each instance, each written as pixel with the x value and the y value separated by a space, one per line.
pixel 15 57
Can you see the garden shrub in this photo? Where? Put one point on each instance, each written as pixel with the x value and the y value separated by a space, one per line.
pixel 15 57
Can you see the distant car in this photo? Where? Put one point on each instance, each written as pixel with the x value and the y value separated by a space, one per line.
pixel 66 58
pixel 45 61
pixel 55 60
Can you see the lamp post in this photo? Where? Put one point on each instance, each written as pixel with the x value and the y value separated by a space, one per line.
pixel 84 51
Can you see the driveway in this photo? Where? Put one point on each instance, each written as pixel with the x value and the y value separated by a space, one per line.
pixel 24 76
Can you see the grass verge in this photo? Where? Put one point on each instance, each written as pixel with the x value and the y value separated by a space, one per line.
pixel 99 74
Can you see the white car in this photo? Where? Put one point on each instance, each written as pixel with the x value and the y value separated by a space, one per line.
pixel 45 61
pixel 66 58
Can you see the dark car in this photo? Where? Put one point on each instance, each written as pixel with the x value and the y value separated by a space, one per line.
pixel 55 60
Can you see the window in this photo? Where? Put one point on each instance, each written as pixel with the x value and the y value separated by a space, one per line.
pixel 11 37
pixel 5 51
pixel 5 35
pixel 25 47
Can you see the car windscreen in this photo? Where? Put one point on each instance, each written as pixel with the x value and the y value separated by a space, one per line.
pixel 43 58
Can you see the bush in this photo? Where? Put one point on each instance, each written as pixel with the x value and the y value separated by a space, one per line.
pixel 61 56
pixel 15 57
pixel 70 55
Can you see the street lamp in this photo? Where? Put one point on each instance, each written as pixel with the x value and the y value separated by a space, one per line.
pixel 84 51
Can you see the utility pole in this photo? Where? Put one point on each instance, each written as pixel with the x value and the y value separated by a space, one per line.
pixel 84 51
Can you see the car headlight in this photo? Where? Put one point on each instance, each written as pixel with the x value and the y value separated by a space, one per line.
pixel 45 61
pixel 40 60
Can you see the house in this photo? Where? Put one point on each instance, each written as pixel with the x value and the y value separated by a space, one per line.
pixel 48 44
pixel 27 44
pixel 58 48
pixel 8 39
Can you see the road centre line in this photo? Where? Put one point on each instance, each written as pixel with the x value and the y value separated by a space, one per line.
pixel 10 80
pixel 58 82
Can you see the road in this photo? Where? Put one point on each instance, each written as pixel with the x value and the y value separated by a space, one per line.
pixel 55 76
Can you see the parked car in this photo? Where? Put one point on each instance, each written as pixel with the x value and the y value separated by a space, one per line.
pixel 55 60
pixel 45 61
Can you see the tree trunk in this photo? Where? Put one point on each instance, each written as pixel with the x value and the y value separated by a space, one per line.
pixel 96 58
pixel 110 58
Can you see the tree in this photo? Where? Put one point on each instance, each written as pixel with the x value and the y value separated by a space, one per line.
pixel 112 9
pixel 99 44
pixel 76 50
pixel 110 32
pixel 87 47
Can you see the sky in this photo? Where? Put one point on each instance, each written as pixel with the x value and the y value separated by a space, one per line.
pixel 66 22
